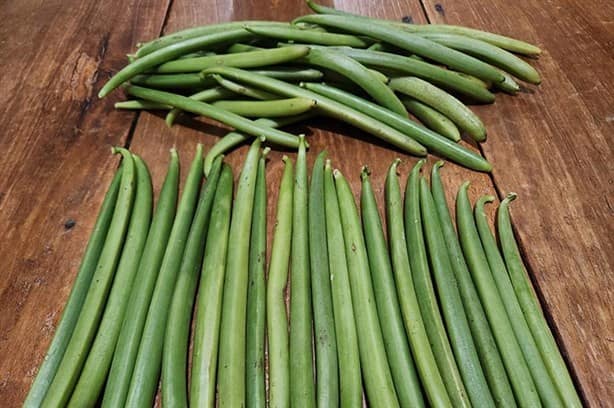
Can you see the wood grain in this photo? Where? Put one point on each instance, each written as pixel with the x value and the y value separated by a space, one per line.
pixel 553 146
pixel 549 144
pixel 56 140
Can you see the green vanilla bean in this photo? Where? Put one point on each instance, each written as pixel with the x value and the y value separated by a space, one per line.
pixel 501 41
pixel 206 95
pixel 488 53
pixel 243 90
pixel 70 315
pixel 434 387
pixel 375 369
pixel 139 104
pixel 327 385
pixel 451 304
pixel 277 320
pixel 209 303
pixel 511 353
pixel 224 116
pixel 408 42
pixel 231 359
pixel 431 140
pixel 427 300
pixel 261 58
pixel 256 294
pixel 432 119
pixel 169 53
pixel 532 309
pixel 267 109
pixel 350 382
pixel 96 368
pixel 82 337
pixel 302 386
pixel 177 334
pixel 461 84
pixel 443 102
pixel 233 139
pixel 488 353
pixel 325 105
pixel 400 360
pixel 357 74
pixel 308 36
pixel 199 31
pixel 127 346
pixel 543 382
pixel 146 373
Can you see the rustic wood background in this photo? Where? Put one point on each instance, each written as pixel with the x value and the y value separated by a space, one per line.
pixel 551 144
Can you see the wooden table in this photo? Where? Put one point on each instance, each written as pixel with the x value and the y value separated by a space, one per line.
pixel 551 144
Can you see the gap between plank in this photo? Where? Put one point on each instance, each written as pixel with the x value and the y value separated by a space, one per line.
pixel 137 114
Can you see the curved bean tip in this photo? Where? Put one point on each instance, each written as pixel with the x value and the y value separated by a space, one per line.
pixel 265 152
pixel 511 196
pixel 484 199
pixel 418 165
pixel 465 186
pixel 337 174
pixel 262 139
pixel 438 164
pixel 394 166
pixel 365 173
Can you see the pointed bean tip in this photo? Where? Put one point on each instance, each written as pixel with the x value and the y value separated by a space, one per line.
pixel 365 173
pixel 199 149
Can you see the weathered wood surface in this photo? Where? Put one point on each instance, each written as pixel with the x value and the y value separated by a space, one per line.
pixel 56 138
pixel 549 144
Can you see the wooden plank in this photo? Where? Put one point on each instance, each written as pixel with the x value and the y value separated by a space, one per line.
pixel 552 145
pixel 56 139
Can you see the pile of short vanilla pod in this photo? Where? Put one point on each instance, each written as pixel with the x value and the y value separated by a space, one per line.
pixel 366 72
